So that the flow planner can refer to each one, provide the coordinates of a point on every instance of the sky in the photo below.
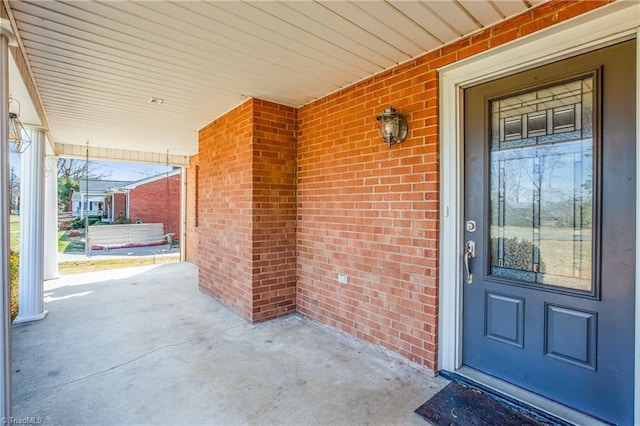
(114, 171)
(129, 171)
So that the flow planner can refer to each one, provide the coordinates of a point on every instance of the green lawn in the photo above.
(67, 244)
(14, 229)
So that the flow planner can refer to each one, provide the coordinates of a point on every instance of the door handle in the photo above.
(469, 253)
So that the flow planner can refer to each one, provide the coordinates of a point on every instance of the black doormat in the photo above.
(460, 405)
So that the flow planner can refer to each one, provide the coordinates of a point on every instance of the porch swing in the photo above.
(127, 235)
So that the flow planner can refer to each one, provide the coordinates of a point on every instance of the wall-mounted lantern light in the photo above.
(393, 126)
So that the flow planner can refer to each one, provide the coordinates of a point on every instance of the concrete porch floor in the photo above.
(145, 346)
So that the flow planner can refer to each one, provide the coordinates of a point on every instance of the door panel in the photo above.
(550, 183)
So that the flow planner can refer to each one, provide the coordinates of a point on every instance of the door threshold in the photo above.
(531, 399)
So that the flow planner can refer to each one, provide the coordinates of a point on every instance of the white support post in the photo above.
(31, 306)
(51, 219)
(6, 35)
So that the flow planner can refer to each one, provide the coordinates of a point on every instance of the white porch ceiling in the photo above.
(98, 64)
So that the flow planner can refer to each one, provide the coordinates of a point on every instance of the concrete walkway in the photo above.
(120, 253)
(144, 346)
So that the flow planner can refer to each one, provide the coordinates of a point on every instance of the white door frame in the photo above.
(604, 26)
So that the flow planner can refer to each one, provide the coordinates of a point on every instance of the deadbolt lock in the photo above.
(471, 226)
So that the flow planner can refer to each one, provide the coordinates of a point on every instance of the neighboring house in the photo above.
(90, 198)
(155, 199)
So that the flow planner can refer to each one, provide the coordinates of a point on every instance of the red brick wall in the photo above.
(157, 202)
(192, 224)
(225, 208)
(362, 209)
(246, 217)
(274, 210)
(120, 205)
(371, 212)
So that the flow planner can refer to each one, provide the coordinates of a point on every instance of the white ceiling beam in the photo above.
(110, 154)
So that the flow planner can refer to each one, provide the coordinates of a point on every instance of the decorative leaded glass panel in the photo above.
(542, 186)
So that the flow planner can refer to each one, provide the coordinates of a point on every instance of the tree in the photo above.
(64, 185)
(70, 168)
(150, 171)
(14, 189)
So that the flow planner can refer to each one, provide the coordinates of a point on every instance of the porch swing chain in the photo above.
(87, 248)
(86, 194)
(168, 205)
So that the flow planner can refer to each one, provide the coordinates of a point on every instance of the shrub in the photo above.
(93, 219)
(64, 224)
(14, 262)
(121, 220)
(519, 254)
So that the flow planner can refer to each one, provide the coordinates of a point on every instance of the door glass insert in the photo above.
(542, 186)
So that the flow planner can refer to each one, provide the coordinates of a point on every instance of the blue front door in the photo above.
(550, 231)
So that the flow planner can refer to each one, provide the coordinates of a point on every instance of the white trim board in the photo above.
(604, 26)
(115, 154)
(637, 337)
